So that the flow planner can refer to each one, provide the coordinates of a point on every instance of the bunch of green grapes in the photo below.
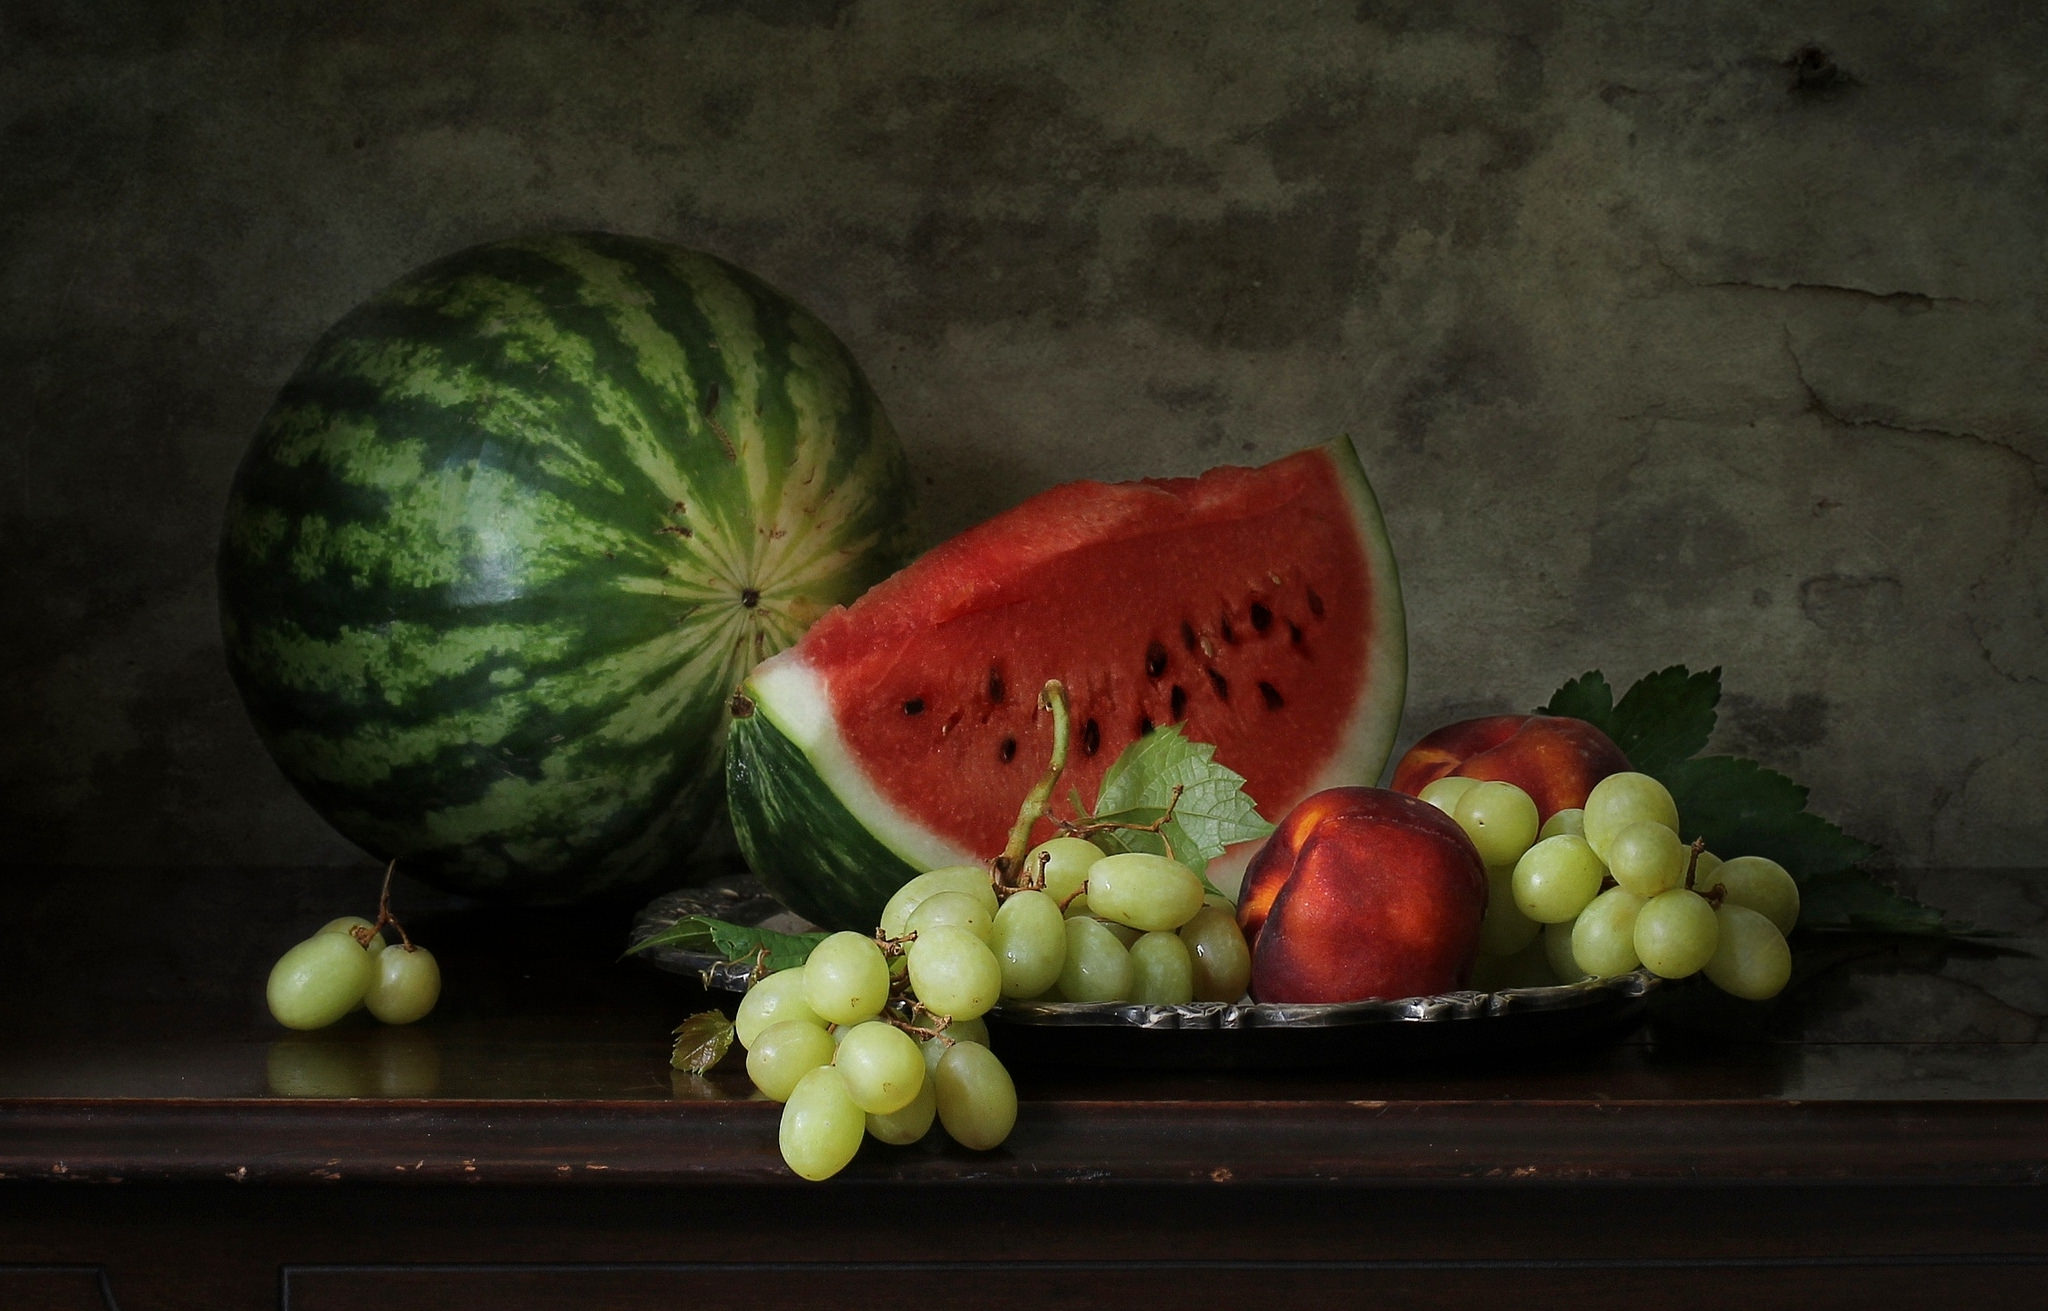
(1133, 926)
(882, 1036)
(1606, 889)
(347, 966)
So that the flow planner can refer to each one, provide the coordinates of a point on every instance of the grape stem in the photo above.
(363, 935)
(1054, 698)
(1083, 827)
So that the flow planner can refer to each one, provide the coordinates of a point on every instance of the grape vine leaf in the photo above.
(1210, 813)
(1664, 718)
(736, 942)
(1740, 807)
(701, 1042)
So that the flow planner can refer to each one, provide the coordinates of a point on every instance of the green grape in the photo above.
(977, 1100)
(1162, 970)
(1098, 967)
(1500, 819)
(1504, 930)
(1703, 865)
(1150, 893)
(954, 973)
(1555, 879)
(846, 978)
(1030, 942)
(882, 1066)
(773, 998)
(961, 909)
(902, 1127)
(821, 1126)
(971, 879)
(1216, 947)
(1604, 935)
(1572, 820)
(1557, 949)
(956, 1031)
(1065, 865)
(1750, 958)
(349, 923)
(318, 981)
(405, 985)
(1759, 883)
(967, 1030)
(785, 1052)
(1443, 793)
(1676, 933)
(1124, 932)
(1646, 858)
(1623, 799)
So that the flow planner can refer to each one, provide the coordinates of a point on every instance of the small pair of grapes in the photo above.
(347, 966)
(1611, 886)
(836, 1040)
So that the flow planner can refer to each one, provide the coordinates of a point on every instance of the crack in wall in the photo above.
(1819, 405)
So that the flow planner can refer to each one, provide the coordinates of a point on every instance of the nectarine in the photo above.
(1361, 893)
(1554, 758)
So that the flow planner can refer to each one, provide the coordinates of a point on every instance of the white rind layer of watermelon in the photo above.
(1258, 608)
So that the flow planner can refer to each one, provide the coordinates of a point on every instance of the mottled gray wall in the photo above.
(1660, 345)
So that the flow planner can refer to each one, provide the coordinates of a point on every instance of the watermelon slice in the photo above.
(1257, 608)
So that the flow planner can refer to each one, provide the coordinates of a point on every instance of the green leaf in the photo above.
(1741, 807)
(1744, 809)
(1586, 697)
(1853, 901)
(735, 942)
(1666, 717)
(701, 1042)
(1211, 812)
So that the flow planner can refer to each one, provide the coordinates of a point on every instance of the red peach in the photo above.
(1554, 758)
(1381, 895)
(1269, 868)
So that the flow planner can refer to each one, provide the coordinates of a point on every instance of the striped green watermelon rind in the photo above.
(819, 832)
(513, 533)
(808, 849)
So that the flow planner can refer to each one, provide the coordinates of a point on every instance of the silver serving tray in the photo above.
(1219, 1035)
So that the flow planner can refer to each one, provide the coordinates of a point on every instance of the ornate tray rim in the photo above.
(1615, 996)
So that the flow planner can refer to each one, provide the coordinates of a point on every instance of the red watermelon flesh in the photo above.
(1257, 608)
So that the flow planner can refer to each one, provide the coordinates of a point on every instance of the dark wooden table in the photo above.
(1876, 1137)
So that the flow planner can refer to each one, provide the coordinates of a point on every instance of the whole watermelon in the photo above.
(510, 538)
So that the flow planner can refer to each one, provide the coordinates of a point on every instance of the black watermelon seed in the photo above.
(1262, 618)
(1220, 683)
(1293, 633)
(1187, 635)
(1008, 750)
(1179, 702)
(1270, 695)
(995, 684)
(914, 706)
(1155, 660)
(1315, 603)
(1229, 633)
(1091, 737)
(1145, 725)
